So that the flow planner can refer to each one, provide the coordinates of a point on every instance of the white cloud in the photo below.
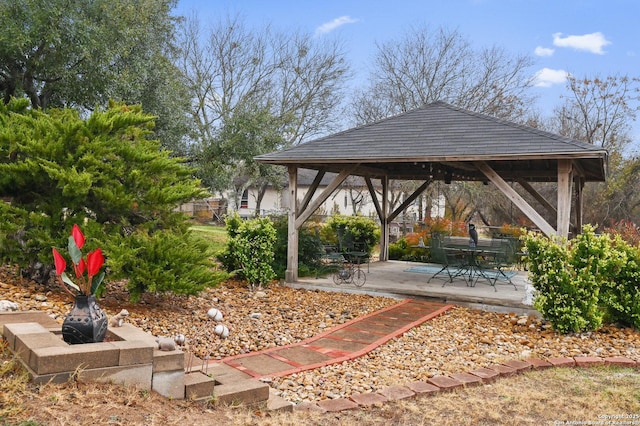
(547, 77)
(543, 51)
(327, 27)
(593, 42)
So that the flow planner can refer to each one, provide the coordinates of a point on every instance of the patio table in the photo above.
(472, 267)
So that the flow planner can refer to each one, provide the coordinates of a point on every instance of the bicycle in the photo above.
(350, 274)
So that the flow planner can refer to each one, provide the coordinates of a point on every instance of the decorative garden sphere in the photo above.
(221, 331)
(214, 314)
(180, 339)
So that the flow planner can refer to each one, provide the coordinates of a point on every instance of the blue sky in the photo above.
(581, 37)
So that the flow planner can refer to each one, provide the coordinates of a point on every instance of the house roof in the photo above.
(439, 139)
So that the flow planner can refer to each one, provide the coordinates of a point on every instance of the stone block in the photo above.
(588, 361)
(369, 398)
(25, 344)
(504, 370)
(423, 388)
(537, 363)
(135, 375)
(339, 404)
(467, 379)
(41, 379)
(134, 352)
(169, 384)
(518, 365)
(620, 361)
(562, 362)
(277, 403)
(11, 330)
(486, 374)
(130, 332)
(395, 393)
(39, 317)
(56, 359)
(167, 360)
(246, 391)
(444, 382)
(198, 385)
(225, 374)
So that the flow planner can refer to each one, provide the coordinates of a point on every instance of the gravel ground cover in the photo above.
(460, 340)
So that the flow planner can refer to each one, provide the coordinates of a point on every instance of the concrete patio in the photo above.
(391, 279)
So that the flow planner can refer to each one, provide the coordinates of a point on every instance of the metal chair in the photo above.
(451, 264)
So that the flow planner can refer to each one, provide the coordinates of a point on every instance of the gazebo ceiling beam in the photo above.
(516, 198)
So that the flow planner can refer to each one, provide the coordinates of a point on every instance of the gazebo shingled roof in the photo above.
(441, 135)
(440, 142)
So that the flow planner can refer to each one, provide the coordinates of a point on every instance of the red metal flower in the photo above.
(86, 284)
(61, 264)
(78, 236)
(95, 260)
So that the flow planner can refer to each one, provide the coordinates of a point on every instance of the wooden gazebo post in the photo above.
(291, 273)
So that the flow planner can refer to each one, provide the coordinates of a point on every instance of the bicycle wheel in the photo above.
(359, 277)
(341, 276)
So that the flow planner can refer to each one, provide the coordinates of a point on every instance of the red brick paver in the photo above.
(339, 404)
(423, 388)
(369, 398)
(588, 361)
(620, 361)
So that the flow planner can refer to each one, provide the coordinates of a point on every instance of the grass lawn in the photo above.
(216, 235)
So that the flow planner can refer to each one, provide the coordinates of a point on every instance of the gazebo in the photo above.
(441, 142)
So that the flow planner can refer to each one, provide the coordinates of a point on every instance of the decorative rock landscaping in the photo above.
(461, 343)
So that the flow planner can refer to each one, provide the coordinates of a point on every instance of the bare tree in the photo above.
(425, 66)
(294, 79)
(599, 110)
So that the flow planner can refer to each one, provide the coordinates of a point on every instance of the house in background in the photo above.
(352, 197)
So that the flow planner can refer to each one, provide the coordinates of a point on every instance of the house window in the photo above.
(244, 202)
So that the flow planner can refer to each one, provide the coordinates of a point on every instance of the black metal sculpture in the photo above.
(473, 236)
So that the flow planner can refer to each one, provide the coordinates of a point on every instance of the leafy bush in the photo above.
(584, 281)
(446, 226)
(403, 250)
(620, 294)
(397, 249)
(350, 230)
(106, 173)
(163, 262)
(228, 257)
(310, 248)
(250, 249)
(628, 231)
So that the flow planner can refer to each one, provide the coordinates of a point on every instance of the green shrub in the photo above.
(397, 249)
(585, 281)
(105, 172)
(620, 295)
(352, 230)
(310, 248)
(250, 249)
(163, 262)
(228, 256)
(403, 250)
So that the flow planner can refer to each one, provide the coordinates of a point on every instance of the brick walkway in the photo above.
(342, 343)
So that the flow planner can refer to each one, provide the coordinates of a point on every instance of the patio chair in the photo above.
(451, 264)
(505, 257)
